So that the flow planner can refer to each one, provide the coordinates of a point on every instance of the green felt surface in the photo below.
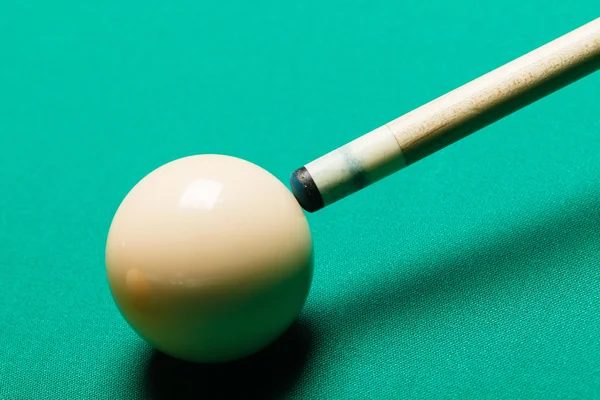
(472, 274)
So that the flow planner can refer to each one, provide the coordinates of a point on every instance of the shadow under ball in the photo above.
(209, 258)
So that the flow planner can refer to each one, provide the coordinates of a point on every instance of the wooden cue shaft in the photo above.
(448, 118)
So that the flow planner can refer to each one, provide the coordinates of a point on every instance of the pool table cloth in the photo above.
(473, 274)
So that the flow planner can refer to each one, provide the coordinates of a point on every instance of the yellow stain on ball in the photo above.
(138, 289)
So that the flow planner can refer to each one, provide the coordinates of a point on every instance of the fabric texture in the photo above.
(473, 274)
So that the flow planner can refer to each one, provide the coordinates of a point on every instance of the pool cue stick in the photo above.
(447, 119)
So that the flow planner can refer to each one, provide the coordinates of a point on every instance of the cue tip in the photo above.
(305, 190)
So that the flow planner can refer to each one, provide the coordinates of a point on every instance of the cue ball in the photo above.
(209, 258)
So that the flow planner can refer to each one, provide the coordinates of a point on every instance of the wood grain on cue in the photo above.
(448, 118)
